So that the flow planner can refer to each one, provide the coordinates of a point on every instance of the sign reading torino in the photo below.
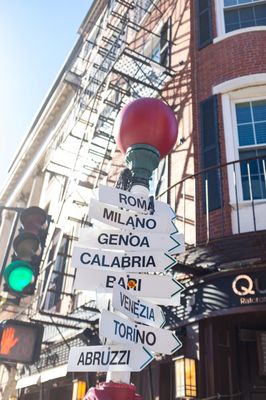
(108, 358)
(121, 330)
(130, 201)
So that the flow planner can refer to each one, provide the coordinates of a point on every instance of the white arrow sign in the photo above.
(130, 201)
(137, 309)
(130, 261)
(129, 220)
(163, 288)
(108, 358)
(114, 239)
(121, 330)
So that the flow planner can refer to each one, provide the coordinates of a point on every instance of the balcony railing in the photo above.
(222, 202)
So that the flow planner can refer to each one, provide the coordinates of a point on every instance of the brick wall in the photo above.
(195, 74)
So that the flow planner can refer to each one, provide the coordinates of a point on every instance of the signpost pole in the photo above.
(146, 131)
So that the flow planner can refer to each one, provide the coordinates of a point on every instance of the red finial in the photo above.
(146, 121)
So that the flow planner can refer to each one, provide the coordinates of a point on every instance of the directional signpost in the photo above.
(121, 330)
(109, 358)
(114, 260)
(143, 239)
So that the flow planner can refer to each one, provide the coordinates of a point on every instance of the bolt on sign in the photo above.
(126, 240)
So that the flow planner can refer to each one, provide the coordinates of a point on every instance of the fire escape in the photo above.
(112, 67)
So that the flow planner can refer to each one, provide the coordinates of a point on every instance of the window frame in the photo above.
(247, 147)
(220, 22)
(155, 43)
(238, 90)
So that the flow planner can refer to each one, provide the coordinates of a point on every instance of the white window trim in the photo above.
(220, 26)
(241, 89)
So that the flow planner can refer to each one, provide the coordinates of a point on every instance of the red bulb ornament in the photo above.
(146, 121)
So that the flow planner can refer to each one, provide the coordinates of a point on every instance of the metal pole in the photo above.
(10, 241)
(207, 209)
(251, 197)
(236, 194)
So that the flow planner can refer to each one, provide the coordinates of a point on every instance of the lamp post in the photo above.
(145, 132)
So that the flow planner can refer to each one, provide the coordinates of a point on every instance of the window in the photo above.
(56, 283)
(158, 48)
(244, 13)
(54, 278)
(204, 12)
(210, 151)
(251, 130)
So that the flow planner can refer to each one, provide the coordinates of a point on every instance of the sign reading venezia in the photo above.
(137, 309)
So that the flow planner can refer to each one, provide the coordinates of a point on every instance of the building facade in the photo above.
(205, 59)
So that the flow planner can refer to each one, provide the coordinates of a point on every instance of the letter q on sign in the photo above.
(241, 290)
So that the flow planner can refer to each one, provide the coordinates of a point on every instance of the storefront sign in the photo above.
(224, 292)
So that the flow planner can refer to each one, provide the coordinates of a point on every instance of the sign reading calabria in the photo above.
(130, 261)
(121, 330)
(108, 358)
(130, 201)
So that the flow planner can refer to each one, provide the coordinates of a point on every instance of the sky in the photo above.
(36, 37)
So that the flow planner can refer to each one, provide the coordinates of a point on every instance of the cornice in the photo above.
(35, 139)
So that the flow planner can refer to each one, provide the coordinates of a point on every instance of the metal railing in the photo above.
(220, 201)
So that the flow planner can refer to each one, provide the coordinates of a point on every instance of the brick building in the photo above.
(206, 60)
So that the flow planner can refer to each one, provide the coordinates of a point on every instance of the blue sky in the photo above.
(35, 38)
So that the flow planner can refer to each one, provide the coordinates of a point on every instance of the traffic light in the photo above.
(20, 275)
(20, 342)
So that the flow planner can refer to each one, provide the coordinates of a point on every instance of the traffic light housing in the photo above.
(20, 342)
(21, 274)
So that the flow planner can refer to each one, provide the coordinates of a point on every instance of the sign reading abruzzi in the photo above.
(130, 235)
(108, 358)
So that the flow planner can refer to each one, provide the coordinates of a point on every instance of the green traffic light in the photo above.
(18, 275)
